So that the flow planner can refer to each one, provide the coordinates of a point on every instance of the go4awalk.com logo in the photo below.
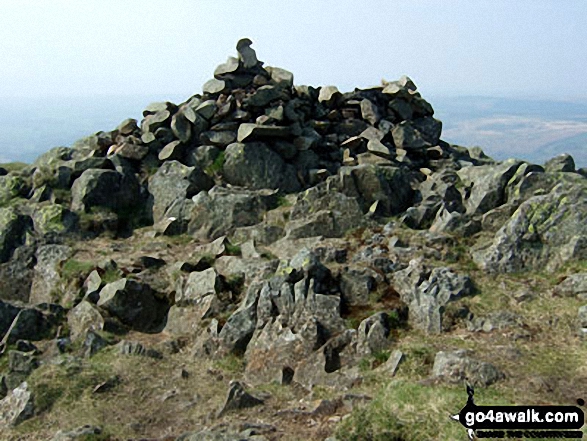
(548, 422)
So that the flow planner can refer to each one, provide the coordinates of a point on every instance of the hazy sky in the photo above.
(458, 47)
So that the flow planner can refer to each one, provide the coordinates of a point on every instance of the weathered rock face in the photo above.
(219, 211)
(427, 293)
(173, 186)
(256, 166)
(544, 232)
(104, 188)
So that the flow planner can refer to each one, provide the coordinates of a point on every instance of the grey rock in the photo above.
(544, 232)
(371, 183)
(498, 320)
(46, 278)
(16, 407)
(417, 134)
(82, 318)
(218, 138)
(369, 112)
(220, 211)
(104, 188)
(12, 230)
(174, 151)
(11, 187)
(34, 323)
(561, 163)
(238, 399)
(265, 95)
(246, 54)
(357, 284)
(329, 95)
(573, 285)
(280, 76)
(82, 432)
(171, 188)
(214, 87)
(372, 335)
(135, 348)
(427, 293)
(201, 290)
(54, 218)
(256, 166)
(229, 67)
(323, 212)
(206, 109)
(134, 304)
(127, 150)
(391, 365)
(255, 132)
(457, 366)
(92, 344)
(181, 127)
(486, 185)
(8, 313)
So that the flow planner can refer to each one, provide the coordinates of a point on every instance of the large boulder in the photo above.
(54, 218)
(256, 166)
(135, 304)
(389, 186)
(320, 211)
(543, 233)
(105, 188)
(484, 186)
(220, 211)
(173, 186)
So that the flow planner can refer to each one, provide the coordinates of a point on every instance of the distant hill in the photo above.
(533, 130)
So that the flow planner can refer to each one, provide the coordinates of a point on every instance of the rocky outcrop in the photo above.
(544, 232)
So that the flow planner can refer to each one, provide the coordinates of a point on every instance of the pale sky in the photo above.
(454, 47)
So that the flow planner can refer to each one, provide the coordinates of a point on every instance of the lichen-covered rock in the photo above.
(560, 163)
(12, 231)
(544, 232)
(54, 218)
(11, 186)
(485, 185)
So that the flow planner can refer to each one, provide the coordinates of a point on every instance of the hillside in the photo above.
(270, 261)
